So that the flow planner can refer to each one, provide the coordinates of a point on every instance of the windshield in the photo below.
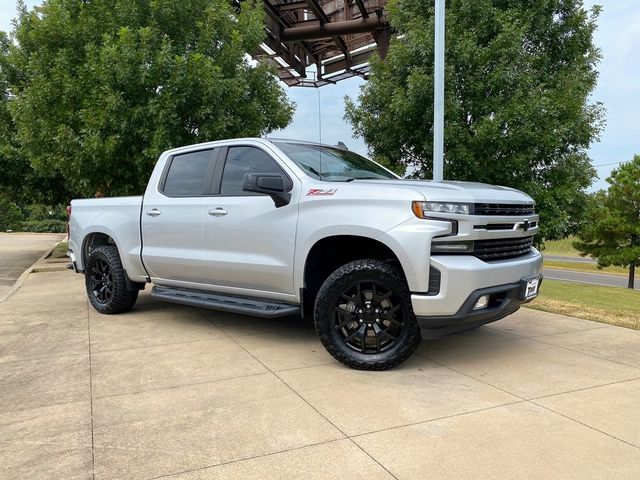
(333, 164)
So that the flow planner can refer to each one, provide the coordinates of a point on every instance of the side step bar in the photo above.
(256, 307)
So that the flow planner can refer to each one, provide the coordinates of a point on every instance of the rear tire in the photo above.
(106, 282)
(364, 316)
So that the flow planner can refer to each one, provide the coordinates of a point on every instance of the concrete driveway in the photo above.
(174, 392)
(18, 251)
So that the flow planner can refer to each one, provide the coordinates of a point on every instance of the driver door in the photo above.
(249, 242)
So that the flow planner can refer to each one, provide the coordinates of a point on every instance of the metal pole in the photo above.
(319, 116)
(438, 93)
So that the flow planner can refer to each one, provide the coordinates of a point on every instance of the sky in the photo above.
(618, 37)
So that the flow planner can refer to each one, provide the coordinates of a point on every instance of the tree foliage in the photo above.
(20, 183)
(100, 88)
(612, 234)
(517, 112)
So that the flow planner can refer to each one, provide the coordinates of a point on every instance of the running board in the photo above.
(256, 307)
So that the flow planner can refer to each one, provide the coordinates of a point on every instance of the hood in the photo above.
(463, 192)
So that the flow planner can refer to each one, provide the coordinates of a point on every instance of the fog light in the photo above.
(482, 302)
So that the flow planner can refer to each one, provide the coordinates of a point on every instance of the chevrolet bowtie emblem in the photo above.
(525, 225)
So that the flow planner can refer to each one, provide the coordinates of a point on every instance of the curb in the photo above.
(22, 278)
(40, 269)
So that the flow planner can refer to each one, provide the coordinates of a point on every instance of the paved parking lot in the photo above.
(18, 251)
(168, 391)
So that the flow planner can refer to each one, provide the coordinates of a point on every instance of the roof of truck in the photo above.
(273, 140)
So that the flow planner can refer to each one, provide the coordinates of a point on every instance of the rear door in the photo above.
(249, 242)
(173, 218)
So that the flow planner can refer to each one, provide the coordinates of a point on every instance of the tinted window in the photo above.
(187, 173)
(241, 160)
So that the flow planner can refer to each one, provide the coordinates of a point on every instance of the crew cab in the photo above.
(274, 228)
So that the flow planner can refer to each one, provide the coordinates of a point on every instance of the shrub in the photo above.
(44, 226)
(10, 215)
(34, 217)
(38, 211)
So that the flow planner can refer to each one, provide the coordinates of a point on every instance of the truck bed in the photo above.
(118, 217)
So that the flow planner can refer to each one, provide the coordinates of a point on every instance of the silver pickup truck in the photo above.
(274, 228)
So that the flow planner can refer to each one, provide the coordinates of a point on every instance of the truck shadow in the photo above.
(298, 336)
(231, 323)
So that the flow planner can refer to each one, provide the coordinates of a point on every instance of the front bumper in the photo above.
(505, 300)
(464, 278)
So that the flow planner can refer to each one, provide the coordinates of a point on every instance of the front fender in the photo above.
(411, 242)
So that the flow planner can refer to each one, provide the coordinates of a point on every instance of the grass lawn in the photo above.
(60, 251)
(612, 305)
(588, 267)
(561, 247)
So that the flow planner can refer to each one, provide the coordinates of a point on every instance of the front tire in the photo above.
(364, 316)
(106, 283)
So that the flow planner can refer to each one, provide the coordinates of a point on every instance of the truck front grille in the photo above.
(500, 249)
(504, 226)
(503, 209)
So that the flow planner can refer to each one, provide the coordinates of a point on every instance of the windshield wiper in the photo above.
(314, 171)
(338, 178)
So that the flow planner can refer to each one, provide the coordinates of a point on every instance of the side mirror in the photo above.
(275, 185)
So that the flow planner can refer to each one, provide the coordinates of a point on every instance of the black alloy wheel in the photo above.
(369, 317)
(101, 279)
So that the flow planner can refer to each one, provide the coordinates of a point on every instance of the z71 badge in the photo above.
(321, 192)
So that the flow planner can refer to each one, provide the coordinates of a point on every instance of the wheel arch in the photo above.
(332, 251)
(100, 238)
(95, 239)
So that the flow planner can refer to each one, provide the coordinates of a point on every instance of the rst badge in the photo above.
(321, 192)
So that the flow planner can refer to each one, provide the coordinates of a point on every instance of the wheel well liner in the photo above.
(93, 240)
(330, 253)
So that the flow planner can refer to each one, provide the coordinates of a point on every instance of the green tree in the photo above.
(517, 85)
(612, 234)
(102, 87)
(19, 182)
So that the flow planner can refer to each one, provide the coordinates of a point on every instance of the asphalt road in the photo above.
(571, 259)
(18, 251)
(585, 277)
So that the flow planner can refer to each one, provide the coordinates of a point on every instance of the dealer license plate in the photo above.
(531, 288)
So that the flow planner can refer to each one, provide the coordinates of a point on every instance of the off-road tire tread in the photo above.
(322, 314)
(123, 299)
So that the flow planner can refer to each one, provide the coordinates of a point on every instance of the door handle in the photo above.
(154, 212)
(217, 212)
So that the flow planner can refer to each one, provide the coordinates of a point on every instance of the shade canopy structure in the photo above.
(336, 37)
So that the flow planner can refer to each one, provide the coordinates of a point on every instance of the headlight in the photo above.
(423, 209)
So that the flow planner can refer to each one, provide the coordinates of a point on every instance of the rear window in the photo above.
(187, 174)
